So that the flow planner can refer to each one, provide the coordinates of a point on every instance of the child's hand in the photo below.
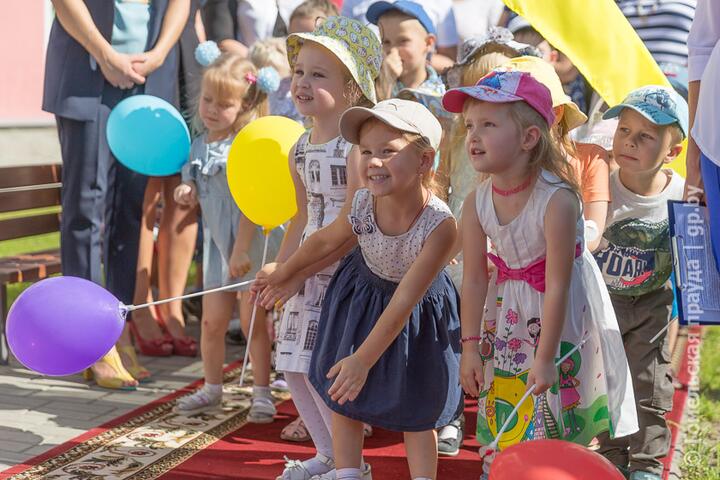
(351, 376)
(392, 65)
(277, 293)
(239, 263)
(261, 279)
(472, 375)
(543, 375)
(186, 194)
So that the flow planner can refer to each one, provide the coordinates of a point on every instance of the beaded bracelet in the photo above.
(470, 339)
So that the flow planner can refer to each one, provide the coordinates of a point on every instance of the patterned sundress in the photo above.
(323, 170)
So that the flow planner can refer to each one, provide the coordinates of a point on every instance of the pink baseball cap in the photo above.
(504, 86)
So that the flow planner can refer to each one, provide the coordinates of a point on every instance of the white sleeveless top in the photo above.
(390, 257)
(522, 241)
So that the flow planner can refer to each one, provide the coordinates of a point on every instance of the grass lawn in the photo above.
(701, 460)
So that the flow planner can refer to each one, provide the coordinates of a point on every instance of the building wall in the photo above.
(24, 28)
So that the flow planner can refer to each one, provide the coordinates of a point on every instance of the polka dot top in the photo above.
(390, 257)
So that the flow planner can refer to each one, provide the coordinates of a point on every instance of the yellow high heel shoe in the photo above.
(139, 373)
(122, 380)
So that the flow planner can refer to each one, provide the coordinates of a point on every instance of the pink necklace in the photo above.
(514, 190)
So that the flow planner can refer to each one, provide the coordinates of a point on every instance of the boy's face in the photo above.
(640, 146)
(407, 35)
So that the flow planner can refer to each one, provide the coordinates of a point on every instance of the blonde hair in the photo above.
(228, 78)
(271, 52)
(417, 142)
(316, 8)
(547, 154)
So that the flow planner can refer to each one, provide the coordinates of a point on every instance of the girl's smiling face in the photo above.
(493, 139)
(391, 163)
(318, 81)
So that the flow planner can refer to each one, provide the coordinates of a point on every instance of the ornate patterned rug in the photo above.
(145, 443)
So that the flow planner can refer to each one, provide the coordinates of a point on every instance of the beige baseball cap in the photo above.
(404, 115)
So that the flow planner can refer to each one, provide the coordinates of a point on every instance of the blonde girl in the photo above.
(389, 329)
(546, 294)
(334, 68)
(231, 96)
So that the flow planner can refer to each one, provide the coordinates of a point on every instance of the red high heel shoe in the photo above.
(156, 347)
(184, 346)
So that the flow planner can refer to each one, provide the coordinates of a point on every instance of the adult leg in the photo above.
(84, 179)
(421, 450)
(176, 245)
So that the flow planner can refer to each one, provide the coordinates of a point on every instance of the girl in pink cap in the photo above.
(529, 207)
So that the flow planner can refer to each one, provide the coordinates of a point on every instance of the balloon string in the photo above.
(252, 318)
(130, 308)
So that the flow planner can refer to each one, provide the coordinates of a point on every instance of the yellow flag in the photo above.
(602, 44)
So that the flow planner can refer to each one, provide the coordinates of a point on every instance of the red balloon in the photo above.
(552, 460)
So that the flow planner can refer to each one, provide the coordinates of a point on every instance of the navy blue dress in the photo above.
(415, 384)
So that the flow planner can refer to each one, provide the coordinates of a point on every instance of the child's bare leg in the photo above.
(421, 450)
(217, 309)
(347, 437)
(260, 348)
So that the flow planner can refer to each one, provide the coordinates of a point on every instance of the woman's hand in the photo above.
(472, 375)
(240, 263)
(543, 374)
(147, 62)
(350, 377)
(186, 194)
(118, 69)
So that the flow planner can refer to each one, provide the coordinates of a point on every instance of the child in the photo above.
(230, 98)
(408, 37)
(546, 294)
(334, 68)
(589, 162)
(272, 52)
(388, 343)
(309, 13)
(634, 257)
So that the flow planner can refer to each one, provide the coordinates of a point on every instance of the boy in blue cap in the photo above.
(408, 38)
(634, 258)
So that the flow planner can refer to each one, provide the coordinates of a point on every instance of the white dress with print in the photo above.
(323, 170)
(594, 390)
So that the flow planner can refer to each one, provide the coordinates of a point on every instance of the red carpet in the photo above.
(243, 451)
(256, 452)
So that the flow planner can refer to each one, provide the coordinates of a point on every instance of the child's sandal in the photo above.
(295, 431)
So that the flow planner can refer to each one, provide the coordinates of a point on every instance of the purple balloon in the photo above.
(62, 325)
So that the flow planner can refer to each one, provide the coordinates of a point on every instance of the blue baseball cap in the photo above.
(415, 10)
(661, 105)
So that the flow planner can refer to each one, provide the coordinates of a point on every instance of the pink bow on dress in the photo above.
(533, 274)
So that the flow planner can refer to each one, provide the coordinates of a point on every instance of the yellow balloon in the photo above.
(258, 173)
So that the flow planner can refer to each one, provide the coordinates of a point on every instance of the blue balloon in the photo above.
(148, 135)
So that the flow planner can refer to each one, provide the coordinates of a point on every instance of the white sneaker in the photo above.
(295, 469)
(197, 402)
(366, 474)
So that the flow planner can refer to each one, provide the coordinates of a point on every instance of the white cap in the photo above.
(404, 115)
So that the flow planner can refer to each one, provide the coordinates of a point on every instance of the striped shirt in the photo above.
(663, 25)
